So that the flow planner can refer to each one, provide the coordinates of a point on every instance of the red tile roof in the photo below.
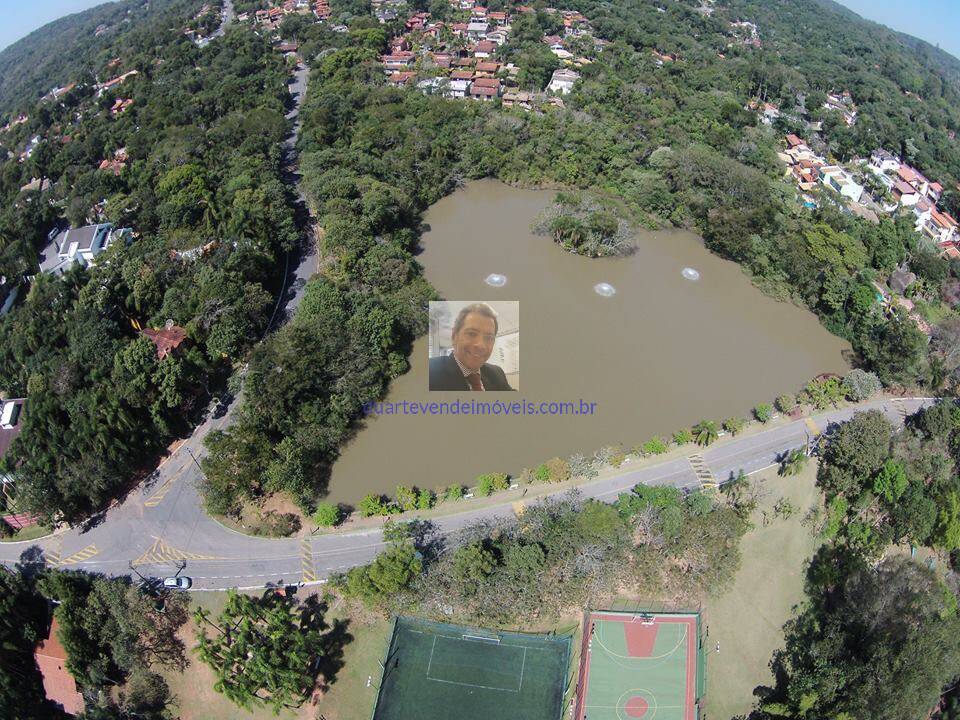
(58, 683)
(167, 340)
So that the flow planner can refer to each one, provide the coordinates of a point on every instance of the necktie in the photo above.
(474, 380)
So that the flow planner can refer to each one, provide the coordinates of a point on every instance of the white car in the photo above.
(178, 583)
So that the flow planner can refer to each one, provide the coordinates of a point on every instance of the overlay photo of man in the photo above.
(473, 339)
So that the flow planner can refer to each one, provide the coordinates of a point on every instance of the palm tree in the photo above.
(793, 463)
(705, 432)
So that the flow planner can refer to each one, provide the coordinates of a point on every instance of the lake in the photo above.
(662, 353)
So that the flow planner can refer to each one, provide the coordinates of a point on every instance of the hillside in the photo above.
(73, 47)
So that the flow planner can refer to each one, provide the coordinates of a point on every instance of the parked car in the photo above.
(181, 582)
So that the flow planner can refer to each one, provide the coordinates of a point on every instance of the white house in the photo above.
(884, 161)
(477, 30)
(79, 245)
(458, 88)
(563, 81)
(838, 180)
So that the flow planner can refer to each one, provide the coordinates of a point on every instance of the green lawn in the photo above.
(748, 620)
(29, 533)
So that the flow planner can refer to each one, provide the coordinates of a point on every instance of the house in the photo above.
(485, 93)
(398, 60)
(563, 81)
(484, 49)
(400, 79)
(477, 30)
(116, 164)
(459, 87)
(79, 245)
(838, 180)
(500, 37)
(462, 75)
(938, 226)
(487, 68)
(884, 161)
(58, 683)
(120, 105)
(517, 99)
(497, 18)
(793, 141)
(905, 194)
(167, 339)
(101, 89)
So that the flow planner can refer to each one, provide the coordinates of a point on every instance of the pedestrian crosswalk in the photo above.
(88, 552)
(702, 471)
(308, 570)
(161, 552)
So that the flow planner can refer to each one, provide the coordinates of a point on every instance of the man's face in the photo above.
(473, 343)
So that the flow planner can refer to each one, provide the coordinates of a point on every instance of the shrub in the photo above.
(683, 437)
(327, 515)
(763, 412)
(274, 524)
(454, 492)
(406, 498)
(426, 500)
(734, 425)
(581, 467)
(491, 482)
(558, 469)
(785, 403)
(542, 473)
(372, 505)
(6, 530)
(654, 446)
(859, 385)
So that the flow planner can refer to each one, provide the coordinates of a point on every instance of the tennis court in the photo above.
(436, 671)
(645, 665)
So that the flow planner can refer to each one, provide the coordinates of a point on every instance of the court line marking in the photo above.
(484, 687)
(462, 638)
(683, 637)
(432, 648)
(523, 664)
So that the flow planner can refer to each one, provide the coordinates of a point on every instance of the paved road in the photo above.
(162, 525)
(228, 16)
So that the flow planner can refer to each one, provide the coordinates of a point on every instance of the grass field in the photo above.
(434, 671)
(348, 697)
(748, 620)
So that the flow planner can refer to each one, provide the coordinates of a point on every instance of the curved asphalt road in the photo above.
(162, 524)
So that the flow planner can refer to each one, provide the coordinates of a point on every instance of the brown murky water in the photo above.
(662, 353)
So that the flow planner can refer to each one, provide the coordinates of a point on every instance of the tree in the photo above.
(854, 453)
(392, 572)
(785, 403)
(705, 432)
(327, 515)
(763, 412)
(682, 437)
(794, 463)
(264, 651)
(734, 425)
(891, 481)
(860, 385)
(882, 645)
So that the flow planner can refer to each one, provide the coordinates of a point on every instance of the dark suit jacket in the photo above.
(445, 374)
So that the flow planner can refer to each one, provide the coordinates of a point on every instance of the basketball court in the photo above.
(646, 665)
(436, 671)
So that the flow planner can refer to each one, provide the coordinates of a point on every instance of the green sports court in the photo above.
(436, 671)
(640, 665)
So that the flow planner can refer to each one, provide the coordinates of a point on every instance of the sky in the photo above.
(936, 21)
(22, 17)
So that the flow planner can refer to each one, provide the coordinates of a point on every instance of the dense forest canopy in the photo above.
(200, 187)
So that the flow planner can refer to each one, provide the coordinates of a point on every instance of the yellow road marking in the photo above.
(159, 495)
(307, 568)
(88, 552)
(812, 426)
(160, 552)
(52, 551)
